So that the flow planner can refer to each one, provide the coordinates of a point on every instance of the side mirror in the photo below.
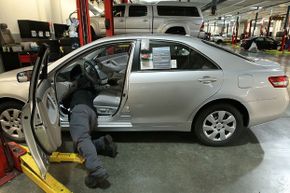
(24, 76)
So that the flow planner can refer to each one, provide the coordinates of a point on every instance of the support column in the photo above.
(109, 20)
(224, 26)
(84, 22)
(250, 34)
(246, 27)
(269, 25)
(286, 27)
(255, 24)
(207, 30)
(237, 28)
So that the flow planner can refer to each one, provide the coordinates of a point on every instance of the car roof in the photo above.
(172, 37)
(169, 3)
(198, 44)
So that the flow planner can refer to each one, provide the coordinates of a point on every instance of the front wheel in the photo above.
(218, 125)
(10, 120)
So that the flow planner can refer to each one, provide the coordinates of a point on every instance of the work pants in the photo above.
(82, 121)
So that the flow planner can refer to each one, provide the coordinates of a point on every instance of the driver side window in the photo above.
(100, 69)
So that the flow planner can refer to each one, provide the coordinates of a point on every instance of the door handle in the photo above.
(207, 79)
(145, 20)
(121, 20)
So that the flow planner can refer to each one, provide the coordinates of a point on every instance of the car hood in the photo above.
(11, 75)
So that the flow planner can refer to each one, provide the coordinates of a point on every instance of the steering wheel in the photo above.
(98, 62)
(91, 72)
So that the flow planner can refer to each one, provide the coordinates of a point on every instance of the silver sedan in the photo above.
(155, 83)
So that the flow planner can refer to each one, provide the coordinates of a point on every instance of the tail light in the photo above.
(279, 81)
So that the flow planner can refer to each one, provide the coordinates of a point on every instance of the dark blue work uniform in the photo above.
(82, 120)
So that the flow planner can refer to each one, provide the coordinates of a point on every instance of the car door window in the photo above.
(102, 68)
(119, 11)
(260, 42)
(270, 41)
(160, 55)
(177, 11)
(137, 11)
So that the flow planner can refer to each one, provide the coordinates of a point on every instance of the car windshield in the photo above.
(227, 50)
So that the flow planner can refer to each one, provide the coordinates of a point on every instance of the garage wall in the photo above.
(18, 9)
(66, 8)
(56, 11)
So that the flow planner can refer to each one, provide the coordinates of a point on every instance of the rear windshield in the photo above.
(177, 11)
(227, 50)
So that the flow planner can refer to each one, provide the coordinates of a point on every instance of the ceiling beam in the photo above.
(211, 4)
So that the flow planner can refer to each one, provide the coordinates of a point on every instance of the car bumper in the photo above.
(267, 110)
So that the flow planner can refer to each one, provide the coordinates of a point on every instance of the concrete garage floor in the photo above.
(174, 162)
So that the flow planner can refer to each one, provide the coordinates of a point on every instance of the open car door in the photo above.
(40, 115)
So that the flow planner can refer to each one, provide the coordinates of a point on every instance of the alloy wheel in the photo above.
(219, 125)
(10, 121)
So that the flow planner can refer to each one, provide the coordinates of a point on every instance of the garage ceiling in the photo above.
(246, 8)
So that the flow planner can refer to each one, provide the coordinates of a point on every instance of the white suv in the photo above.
(164, 17)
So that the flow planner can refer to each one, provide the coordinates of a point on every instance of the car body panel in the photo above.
(140, 24)
(152, 22)
(253, 97)
(263, 43)
(11, 88)
(169, 97)
(40, 116)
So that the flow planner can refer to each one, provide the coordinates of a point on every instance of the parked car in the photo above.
(217, 38)
(163, 17)
(262, 43)
(152, 83)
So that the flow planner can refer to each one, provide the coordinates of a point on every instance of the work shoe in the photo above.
(92, 181)
(110, 148)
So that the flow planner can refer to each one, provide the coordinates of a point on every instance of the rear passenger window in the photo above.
(137, 11)
(259, 39)
(160, 55)
(177, 11)
(119, 11)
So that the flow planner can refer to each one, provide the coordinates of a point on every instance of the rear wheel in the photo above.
(10, 120)
(219, 42)
(218, 125)
(176, 30)
(93, 34)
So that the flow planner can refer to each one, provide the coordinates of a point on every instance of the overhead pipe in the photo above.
(212, 5)
(204, 8)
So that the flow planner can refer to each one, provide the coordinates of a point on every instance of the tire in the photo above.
(93, 34)
(218, 133)
(176, 30)
(10, 125)
(219, 42)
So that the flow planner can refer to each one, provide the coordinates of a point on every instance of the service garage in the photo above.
(130, 96)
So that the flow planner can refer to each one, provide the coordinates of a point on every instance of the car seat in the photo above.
(5, 35)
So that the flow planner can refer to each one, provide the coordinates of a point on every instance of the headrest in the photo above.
(3, 26)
